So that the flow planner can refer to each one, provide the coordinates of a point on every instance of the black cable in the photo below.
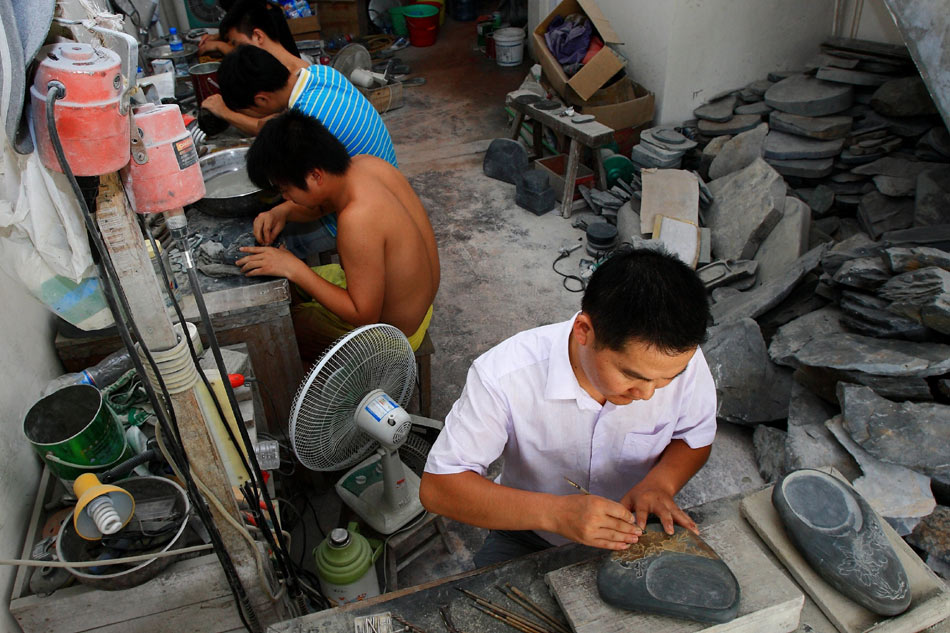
(111, 289)
(567, 277)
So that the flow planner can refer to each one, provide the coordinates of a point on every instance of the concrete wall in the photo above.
(29, 362)
(686, 51)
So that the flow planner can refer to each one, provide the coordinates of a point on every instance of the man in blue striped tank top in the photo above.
(255, 86)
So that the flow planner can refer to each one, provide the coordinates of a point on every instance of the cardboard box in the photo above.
(596, 72)
(305, 28)
(624, 104)
(555, 166)
(342, 17)
(384, 98)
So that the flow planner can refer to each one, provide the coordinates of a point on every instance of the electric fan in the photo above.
(351, 402)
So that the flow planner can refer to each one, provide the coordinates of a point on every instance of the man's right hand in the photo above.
(595, 521)
(268, 225)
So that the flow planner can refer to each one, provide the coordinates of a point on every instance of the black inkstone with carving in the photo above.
(839, 535)
(678, 575)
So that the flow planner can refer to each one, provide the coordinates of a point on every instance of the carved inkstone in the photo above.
(678, 575)
(839, 535)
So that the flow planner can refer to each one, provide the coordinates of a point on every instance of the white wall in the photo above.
(686, 51)
(29, 362)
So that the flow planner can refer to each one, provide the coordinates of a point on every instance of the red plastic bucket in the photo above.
(423, 23)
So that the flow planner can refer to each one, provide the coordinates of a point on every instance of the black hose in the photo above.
(111, 289)
(126, 467)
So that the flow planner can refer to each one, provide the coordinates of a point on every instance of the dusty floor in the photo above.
(496, 257)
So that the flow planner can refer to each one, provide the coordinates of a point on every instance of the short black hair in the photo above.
(247, 15)
(247, 71)
(289, 147)
(647, 296)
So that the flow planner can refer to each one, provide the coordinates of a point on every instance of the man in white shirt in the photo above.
(618, 399)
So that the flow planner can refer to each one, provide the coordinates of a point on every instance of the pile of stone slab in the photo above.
(830, 277)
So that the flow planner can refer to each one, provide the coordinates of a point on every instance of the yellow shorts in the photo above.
(313, 321)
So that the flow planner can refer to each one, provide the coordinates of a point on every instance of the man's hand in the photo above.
(215, 105)
(270, 262)
(268, 225)
(595, 521)
(211, 43)
(645, 499)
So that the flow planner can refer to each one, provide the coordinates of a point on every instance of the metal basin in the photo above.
(230, 193)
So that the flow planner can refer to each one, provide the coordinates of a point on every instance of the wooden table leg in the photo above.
(601, 172)
(536, 129)
(570, 176)
(515, 130)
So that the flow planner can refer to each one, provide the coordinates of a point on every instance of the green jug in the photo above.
(344, 561)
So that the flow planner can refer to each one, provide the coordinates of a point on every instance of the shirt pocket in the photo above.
(639, 448)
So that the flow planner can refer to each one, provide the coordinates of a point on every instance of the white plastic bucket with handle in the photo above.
(509, 46)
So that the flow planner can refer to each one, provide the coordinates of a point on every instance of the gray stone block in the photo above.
(667, 138)
(879, 214)
(759, 108)
(747, 206)
(820, 199)
(809, 443)
(851, 77)
(878, 357)
(903, 97)
(739, 152)
(865, 273)
(768, 444)
(932, 197)
(782, 146)
(758, 301)
(749, 388)
(718, 111)
(738, 123)
(803, 168)
(937, 141)
(786, 243)
(936, 236)
(870, 316)
(914, 435)
(821, 128)
(801, 94)
(932, 535)
(822, 381)
(896, 187)
(858, 245)
(904, 259)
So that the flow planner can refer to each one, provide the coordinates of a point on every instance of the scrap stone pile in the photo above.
(829, 234)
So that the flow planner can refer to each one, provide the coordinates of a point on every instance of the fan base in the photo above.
(362, 489)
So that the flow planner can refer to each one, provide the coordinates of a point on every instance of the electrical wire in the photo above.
(112, 289)
(138, 558)
(566, 277)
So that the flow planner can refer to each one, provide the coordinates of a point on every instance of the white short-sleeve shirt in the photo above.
(522, 401)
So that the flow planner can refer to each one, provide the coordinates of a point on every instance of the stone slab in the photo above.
(738, 123)
(809, 443)
(786, 243)
(822, 381)
(914, 435)
(803, 168)
(820, 199)
(858, 245)
(808, 96)
(739, 152)
(673, 193)
(870, 315)
(930, 598)
(935, 236)
(782, 146)
(903, 259)
(769, 600)
(747, 206)
(879, 214)
(768, 444)
(906, 96)
(749, 388)
(896, 187)
(932, 534)
(756, 302)
(932, 197)
(851, 77)
(646, 155)
(865, 273)
(759, 108)
(878, 357)
(667, 138)
(718, 111)
(821, 128)
(897, 167)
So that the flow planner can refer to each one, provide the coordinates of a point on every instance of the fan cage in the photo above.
(323, 430)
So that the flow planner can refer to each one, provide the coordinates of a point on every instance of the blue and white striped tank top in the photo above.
(325, 94)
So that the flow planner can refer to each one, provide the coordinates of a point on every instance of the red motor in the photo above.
(95, 136)
(172, 176)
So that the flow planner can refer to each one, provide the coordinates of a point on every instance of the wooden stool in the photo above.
(405, 547)
(424, 369)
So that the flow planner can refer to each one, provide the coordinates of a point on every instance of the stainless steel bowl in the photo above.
(229, 194)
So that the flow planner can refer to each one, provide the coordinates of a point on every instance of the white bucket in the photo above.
(509, 46)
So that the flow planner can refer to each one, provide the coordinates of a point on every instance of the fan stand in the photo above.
(384, 508)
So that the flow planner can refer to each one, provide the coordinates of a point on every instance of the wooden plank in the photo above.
(592, 134)
(769, 601)
(930, 597)
(570, 178)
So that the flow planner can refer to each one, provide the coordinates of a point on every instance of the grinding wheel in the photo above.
(618, 167)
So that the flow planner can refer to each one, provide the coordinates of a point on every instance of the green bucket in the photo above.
(74, 433)
(398, 18)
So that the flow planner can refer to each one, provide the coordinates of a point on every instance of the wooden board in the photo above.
(930, 597)
(769, 601)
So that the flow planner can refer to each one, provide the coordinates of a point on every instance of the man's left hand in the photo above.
(215, 105)
(644, 500)
(270, 261)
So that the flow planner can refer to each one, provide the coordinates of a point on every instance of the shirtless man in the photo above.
(389, 258)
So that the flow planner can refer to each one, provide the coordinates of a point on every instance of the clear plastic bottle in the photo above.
(175, 45)
(101, 375)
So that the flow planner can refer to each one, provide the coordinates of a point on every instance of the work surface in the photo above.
(420, 605)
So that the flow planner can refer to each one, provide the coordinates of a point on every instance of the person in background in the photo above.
(255, 22)
(256, 86)
(618, 399)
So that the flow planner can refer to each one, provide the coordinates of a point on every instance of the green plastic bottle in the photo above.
(344, 563)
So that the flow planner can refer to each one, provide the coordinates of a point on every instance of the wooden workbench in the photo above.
(419, 605)
(591, 134)
(251, 310)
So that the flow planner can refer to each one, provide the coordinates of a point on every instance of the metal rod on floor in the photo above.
(501, 611)
(532, 606)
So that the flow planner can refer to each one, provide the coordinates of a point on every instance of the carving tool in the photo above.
(577, 485)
